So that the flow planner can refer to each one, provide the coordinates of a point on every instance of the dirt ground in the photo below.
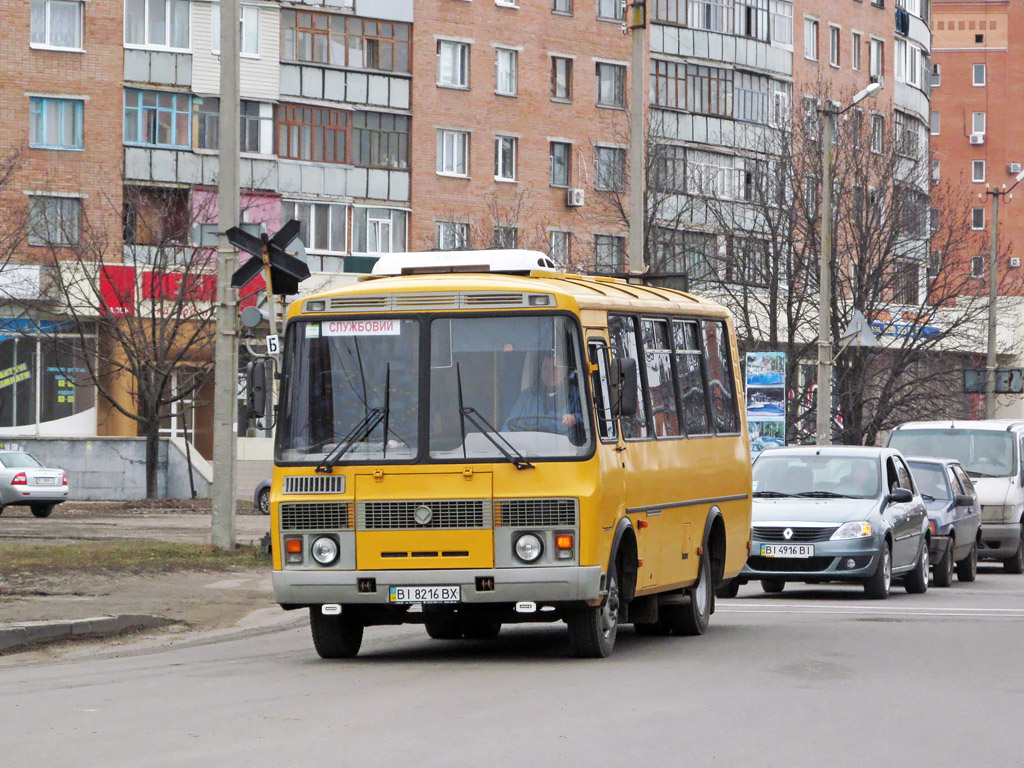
(193, 599)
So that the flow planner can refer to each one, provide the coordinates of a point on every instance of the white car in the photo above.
(26, 482)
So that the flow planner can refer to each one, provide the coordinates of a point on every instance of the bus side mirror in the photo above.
(257, 389)
(624, 381)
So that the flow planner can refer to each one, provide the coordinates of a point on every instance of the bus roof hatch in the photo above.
(511, 260)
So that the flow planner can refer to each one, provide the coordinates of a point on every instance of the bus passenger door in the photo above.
(611, 486)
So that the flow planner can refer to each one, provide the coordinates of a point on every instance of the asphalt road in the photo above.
(815, 676)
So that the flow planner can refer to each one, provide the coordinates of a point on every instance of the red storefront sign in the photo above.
(118, 285)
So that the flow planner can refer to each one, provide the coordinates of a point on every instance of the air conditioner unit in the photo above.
(1015, 261)
(574, 198)
(977, 138)
(1013, 168)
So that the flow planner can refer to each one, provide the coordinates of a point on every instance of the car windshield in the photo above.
(931, 479)
(512, 382)
(981, 452)
(12, 459)
(817, 476)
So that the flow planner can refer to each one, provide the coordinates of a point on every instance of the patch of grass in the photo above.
(132, 555)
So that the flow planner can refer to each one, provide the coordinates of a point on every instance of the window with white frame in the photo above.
(876, 63)
(855, 45)
(55, 123)
(752, 19)
(452, 64)
(908, 63)
(452, 235)
(561, 154)
(609, 169)
(712, 174)
(781, 19)
(379, 230)
(506, 71)
(611, 9)
(977, 218)
(608, 253)
(978, 74)
(322, 225)
(711, 15)
(54, 220)
(810, 39)
(833, 45)
(912, 6)
(936, 75)
(558, 247)
(977, 170)
(781, 116)
(56, 24)
(936, 123)
(452, 152)
(505, 148)
(157, 23)
(877, 133)
(978, 122)
(611, 84)
(248, 26)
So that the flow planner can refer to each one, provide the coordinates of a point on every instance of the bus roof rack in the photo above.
(508, 261)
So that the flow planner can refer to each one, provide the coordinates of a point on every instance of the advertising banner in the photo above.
(766, 400)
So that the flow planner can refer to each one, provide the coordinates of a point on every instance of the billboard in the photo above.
(766, 400)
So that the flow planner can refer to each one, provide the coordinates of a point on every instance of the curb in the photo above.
(29, 633)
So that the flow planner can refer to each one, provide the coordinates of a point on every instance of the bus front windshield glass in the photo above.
(981, 452)
(507, 385)
(355, 379)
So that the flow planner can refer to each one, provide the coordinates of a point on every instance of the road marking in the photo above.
(836, 610)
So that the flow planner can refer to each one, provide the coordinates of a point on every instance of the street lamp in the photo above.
(991, 363)
(831, 111)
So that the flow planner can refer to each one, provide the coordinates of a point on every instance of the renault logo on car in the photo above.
(787, 534)
(423, 514)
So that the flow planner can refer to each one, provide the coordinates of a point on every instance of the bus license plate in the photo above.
(787, 550)
(425, 594)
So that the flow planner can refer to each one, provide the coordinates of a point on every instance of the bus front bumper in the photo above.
(510, 585)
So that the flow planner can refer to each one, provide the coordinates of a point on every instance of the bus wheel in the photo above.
(693, 618)
(335, 637)
(444, 627)
(481, 630)
(592, 630)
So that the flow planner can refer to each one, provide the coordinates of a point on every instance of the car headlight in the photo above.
(324, 550)
(528, 547)
(856, 530)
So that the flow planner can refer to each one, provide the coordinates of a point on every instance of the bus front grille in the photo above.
(536, 513)
(423, 515)
(315, 515)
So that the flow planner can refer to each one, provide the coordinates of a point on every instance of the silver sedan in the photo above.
(24, 481)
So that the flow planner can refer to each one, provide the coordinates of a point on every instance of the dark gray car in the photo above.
(954, 514)
(836, 513)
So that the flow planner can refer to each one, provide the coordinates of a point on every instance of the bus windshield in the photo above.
(981, 452)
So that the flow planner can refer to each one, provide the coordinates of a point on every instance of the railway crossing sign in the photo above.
(286, 271)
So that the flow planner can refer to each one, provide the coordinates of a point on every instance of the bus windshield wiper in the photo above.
(513, 456)
(357, 434)
(771, 494)
(823, 495)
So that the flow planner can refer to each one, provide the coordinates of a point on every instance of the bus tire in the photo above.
(443, 627)
(593, 629)
(481, 630)
(335, 637)
(692, 618)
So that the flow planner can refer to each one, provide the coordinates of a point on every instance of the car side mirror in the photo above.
(624, 382)
(258, 386)
(963, 500)
(901, 496)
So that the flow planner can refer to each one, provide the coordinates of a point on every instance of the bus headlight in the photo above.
(324, 550)
(528, 547)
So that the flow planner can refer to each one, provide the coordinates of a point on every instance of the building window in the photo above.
(877, 133)
(669, 164)
(379, 230)
(753, 95)
(908, 63)
(157, 23)
(670, 11)
(562, 6)
(322, 224)
(256, 125)
(611, 9)
(206, 122)
(977, 170)
(908, 282)
(833, 45)
(876, 64)
(936, 75)
(610, 169)
(54, 220)
(504, 237)
(380, 140)
(977, 218)
(249, 30)
(157, 118)
(611, 80)
(979, 74)
(936, 124)
(811, 39)
(506, 66)
(978, 264)
(708, 90)
(978, 122)
(782, 23)
(711, 15)
(561, 154)
(452, 153)
(855, 51)
(55, 123)
(561, 78)
(609, 251)
(312, 133)
(908, 135)
(344, 41)
(558, 247)
(505, 158)
(57, 23)
(752, 19)
(452, 64)
(452, 235)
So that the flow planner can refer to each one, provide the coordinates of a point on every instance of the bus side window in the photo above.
(690, 365)
(720, 380)
(622, 332)
(602, 398)
(660, 381)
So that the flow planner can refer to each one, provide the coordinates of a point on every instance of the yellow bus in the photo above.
(472, 439)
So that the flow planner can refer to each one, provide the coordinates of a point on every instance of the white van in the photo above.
(992, 452)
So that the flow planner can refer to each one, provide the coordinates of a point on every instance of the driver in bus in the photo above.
(550, 404)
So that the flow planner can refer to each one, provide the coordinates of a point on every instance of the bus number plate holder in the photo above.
(426, 595)
(787, 550)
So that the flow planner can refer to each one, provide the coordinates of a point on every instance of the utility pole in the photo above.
(637, 185)
(991, 363)
(823, 427)
(225, 400)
